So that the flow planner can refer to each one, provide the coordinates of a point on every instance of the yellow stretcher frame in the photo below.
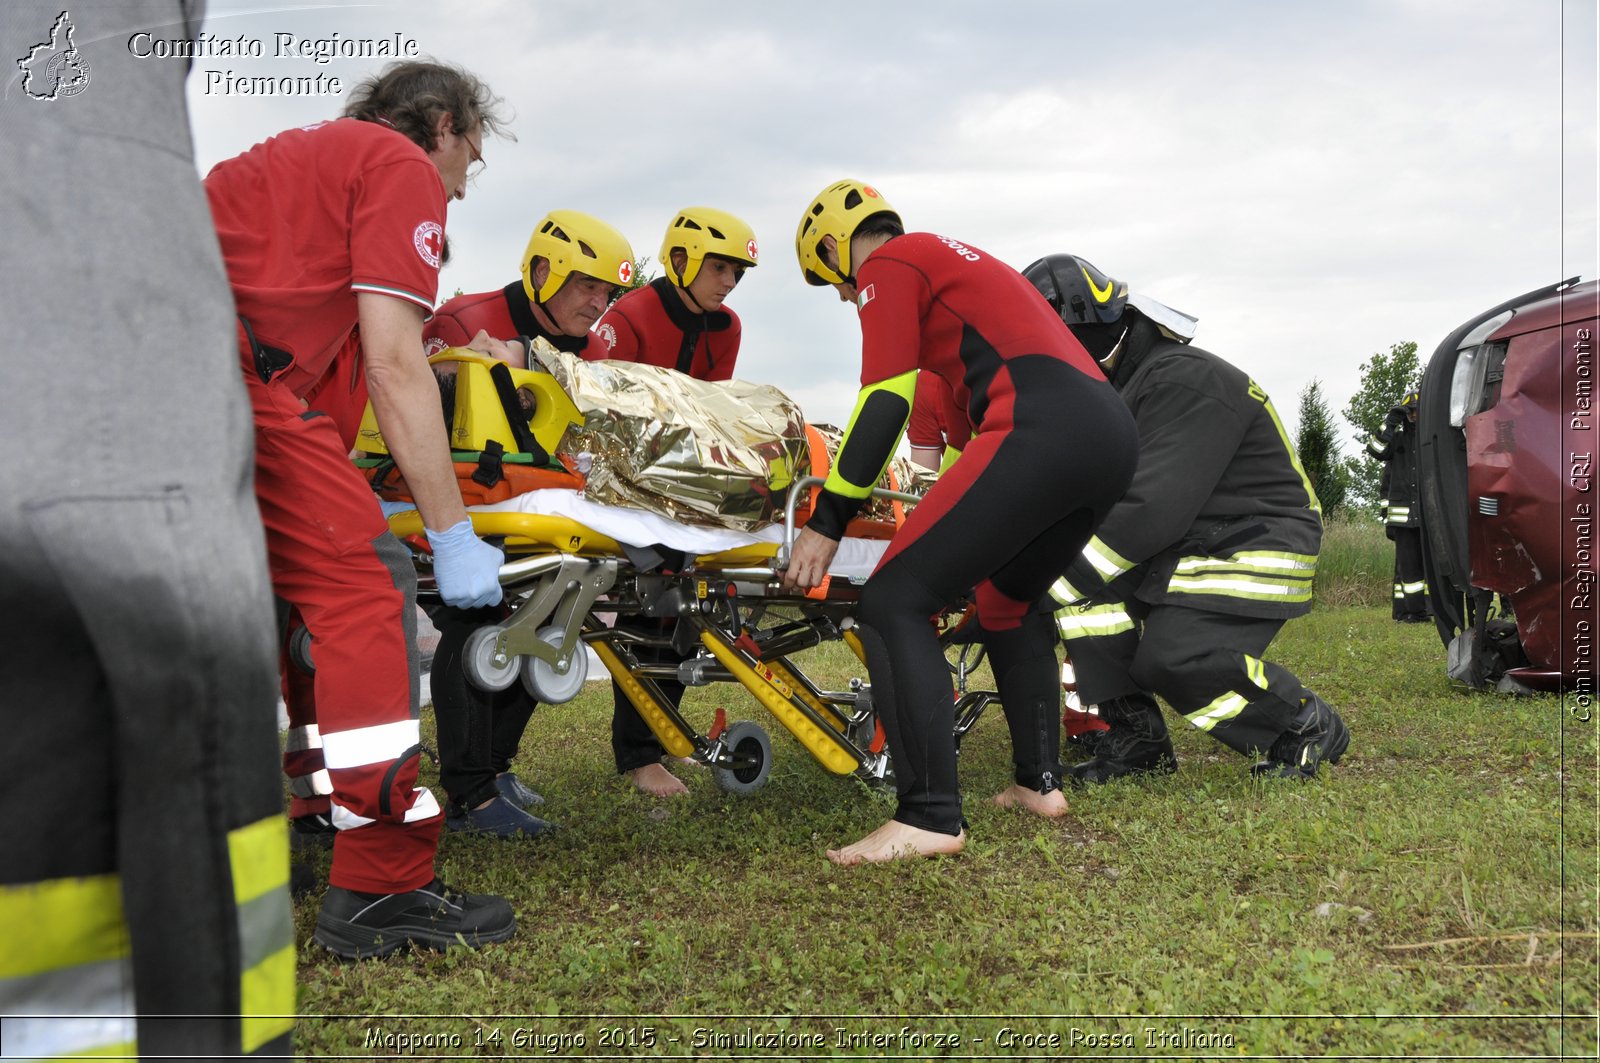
(838, 728)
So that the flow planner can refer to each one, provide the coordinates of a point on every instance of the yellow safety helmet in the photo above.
(838, 211)
(575, 243)
(702, 231)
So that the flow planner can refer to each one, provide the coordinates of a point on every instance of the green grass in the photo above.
(1433, 895)
(1356, 565)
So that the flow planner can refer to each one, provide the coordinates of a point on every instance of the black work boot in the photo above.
(1137, 743)
(360, 925)
(1316, 735)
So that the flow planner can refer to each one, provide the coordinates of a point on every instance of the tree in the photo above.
(1318, 445)
(1385, 381)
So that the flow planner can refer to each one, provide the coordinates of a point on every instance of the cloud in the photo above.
(1315, 182)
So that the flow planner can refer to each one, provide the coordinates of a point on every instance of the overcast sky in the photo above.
(1314, 181)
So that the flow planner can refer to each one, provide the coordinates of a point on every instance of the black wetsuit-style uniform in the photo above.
(1054, 449)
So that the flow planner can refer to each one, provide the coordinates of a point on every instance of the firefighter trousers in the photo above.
(1206, 665)
(147, 859)
(1410, 582)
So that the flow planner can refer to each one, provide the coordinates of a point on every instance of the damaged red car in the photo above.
(1509, 487)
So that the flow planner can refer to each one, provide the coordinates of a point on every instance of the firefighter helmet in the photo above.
(1076, 290)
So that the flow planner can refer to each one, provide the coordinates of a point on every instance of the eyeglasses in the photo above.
(476, 167)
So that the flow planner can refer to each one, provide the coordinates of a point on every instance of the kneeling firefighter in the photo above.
(1193, 573)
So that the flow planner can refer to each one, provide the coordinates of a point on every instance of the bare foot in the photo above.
(657, 781)
(1050, 805)
(897, 841)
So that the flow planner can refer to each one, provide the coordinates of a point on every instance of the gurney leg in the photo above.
(676, 736)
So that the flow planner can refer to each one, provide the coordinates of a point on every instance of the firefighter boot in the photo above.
(1137, 743)
(1316, 735)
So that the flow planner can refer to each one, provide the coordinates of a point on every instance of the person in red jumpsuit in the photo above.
(324, 228)
(679, 321)
(1053, 450)
(938, 429)
(572, 269)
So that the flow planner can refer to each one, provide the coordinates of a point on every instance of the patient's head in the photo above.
(512, 352)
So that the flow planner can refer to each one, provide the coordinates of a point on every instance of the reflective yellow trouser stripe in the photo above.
(1230, 704)
(65, 977)
(259, 857)
(65, 922)
(1092, 621)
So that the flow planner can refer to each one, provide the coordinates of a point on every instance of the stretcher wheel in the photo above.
(300, 651)
(748, 745)
(544, 682)
(485, 669)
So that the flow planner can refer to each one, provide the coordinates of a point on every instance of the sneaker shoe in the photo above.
(314, 831)
(1317, 735)
(516, 791)
(499, 817)
(359, 926)
(1136, 744)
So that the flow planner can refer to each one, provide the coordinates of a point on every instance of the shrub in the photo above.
(1357, 562)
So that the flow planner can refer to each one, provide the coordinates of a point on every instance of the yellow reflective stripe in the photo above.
(1063, 592)
(64, 922)
(1414, 588)
(1262, 575)
(1229, 705)
(1256, 671)
(266, 996)
(905, 386)
(1315, 505)
(1224, 708)
(1266, 562)
(1105, 560)
(258, 855)
(1257, 590)
(1092, 621)
(950, 456)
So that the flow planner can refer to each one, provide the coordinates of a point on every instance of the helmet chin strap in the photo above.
(689, 295)
(1109, 362)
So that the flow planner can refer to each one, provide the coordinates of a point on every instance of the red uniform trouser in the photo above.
(352, 585)
(309, 786)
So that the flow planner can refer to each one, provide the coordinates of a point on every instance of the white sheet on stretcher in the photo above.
(855, 560)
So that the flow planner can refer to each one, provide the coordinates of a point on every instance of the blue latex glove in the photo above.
(391, 508)
(466, 569)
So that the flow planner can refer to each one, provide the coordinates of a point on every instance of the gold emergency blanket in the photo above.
(706, 453)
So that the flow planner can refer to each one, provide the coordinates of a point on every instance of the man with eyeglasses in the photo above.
(572, 268)
(333, 236)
